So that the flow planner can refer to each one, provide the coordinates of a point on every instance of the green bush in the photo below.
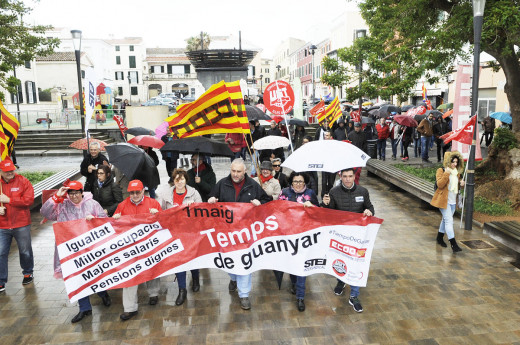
(37, 176)
(504, 139)
(427, 173)
(483, 205)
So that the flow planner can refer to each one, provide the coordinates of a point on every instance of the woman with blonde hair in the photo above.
(448, 179)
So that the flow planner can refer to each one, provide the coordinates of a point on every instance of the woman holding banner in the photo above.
(173, 195)
(69, 203)
(298, 192)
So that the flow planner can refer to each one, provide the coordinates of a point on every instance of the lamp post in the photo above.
(278, 68)
(76, 40)
(360, 34)
(261, 79)
(478, 20)
(312, 48)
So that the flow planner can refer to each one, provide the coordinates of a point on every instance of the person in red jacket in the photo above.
(383, 131)
(137, 203)
(237, 144)
(16, 196)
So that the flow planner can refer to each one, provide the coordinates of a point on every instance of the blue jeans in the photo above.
(447, 221)
(425, 147)
(243, 283)
(84, 303)
(417, 147)
(299, 282)
(22, 235)
(181, 278)
(354, 290)
(432, 141)
(381, 147)
(394, 147)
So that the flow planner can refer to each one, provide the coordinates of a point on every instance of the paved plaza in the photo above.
(417, 293)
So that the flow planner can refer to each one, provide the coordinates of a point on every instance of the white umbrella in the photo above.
(326, 155)
(271, 142)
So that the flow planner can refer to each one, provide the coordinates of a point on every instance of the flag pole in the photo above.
(285, 118)
(464, 177)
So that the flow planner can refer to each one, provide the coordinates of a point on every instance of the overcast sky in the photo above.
(167, 23)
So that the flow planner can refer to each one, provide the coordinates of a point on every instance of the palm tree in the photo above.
(193, 43)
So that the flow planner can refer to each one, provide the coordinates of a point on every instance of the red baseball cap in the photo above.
(7, 165)
(135, 186)
(75, 185)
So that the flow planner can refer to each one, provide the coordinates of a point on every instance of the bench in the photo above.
(53, 182)
(412, 184)
(506, 233)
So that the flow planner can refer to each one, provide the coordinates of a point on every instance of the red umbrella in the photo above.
(405, 120)
(147, 140)
(81, 144)
(277, 118)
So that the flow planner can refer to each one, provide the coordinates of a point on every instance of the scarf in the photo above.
(454, 181)
(265, 179)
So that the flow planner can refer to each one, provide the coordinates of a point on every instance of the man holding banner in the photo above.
(238, 187)
(353, 198)
(137, 203)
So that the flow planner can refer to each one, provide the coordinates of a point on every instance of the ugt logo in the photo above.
(339, 267)
(279, 97)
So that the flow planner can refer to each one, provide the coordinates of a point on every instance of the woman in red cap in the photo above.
(69, 203)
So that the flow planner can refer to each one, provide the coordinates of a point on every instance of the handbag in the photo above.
(460, 200)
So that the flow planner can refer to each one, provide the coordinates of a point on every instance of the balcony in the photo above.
(166, 76)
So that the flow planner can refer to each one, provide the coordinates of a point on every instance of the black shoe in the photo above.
(300, 304)
(440, 239)
(128, 315)
(293, 289)
(232, 286)
(195, 286)
(454, 246)
(181, 297)
(338, 290)
(245, 303)
(79, 316)
(27, 279)
(153, 300)
(107, 301)
(355, 303)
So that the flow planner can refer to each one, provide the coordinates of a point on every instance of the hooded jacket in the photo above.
(17, 212)
(67, 210)
(440, 197)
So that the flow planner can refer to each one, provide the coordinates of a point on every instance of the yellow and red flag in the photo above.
(336, 112)
(219, 110)
(9, 128)
(424, 93)
(331, 112)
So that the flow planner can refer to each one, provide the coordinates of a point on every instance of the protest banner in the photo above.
(238, 238)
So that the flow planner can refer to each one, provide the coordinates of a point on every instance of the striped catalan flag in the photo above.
(9, 131)
(329, 112)
(218, 110)
(336, 112)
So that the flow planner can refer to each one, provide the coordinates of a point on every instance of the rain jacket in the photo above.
(127, 207)
(290, 194)
(224, 191)
(442, 176)
(207, 181)
(383, 132)
(165, 196)
(238, 141)
(17, 212)
(355, 199)
(109, 195)
(359, 140)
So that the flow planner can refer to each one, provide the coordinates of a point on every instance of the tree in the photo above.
(410, 39)
(193, 43)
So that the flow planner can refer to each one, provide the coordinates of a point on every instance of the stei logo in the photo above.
(315, 166)
(339, 267)
(315, 262)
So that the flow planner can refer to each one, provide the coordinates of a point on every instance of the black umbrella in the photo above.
(298, 122)
(209, 147)
(419, 118)
(407, 107)
(375, 112)
(389, 108)
(279, 277)
(139, 131)
(434, 112)
(366, 119)
(373, 107)
(255, 113)
(134, 163)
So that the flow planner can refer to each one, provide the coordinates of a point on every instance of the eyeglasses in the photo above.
(276, 165)
(298, 182)
(135, 192)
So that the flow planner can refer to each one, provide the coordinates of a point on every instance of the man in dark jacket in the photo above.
(425, 128)
(488, 124)
(90, 163)
(320, 132)
(201, 177)
(358, 137)
(278, 173)
(238, 187)
(341, 132)
(353, 198)
(439, 129)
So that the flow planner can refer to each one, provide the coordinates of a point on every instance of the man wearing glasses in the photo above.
(278, 173)
(137, 203)
(15, 221)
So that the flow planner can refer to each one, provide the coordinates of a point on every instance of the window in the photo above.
(267, 70)
(82, 74)
(133, 90)
(120, 91)
(30, 91)
(131, 48)
(485, 107)
(134, 77)
(118, 48)
(20, 95)
(157, 69)
(267, 80)
(131, 61)
(118, 60)
(120, 76)
(28, 64)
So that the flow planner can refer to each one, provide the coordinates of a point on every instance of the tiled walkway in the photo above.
(417, 293)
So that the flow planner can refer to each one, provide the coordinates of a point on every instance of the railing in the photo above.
(60, 119)
(157, 76)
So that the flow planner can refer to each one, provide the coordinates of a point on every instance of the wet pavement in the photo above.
(417, 293)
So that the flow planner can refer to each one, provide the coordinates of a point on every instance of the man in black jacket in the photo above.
(353, 198)
(358, 137)
(90, 164)
(201, 177)
(238, 187)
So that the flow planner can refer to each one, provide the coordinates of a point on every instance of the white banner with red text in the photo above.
(103, 254)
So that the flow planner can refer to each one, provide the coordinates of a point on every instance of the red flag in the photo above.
(354, 116)
(463, 135)
(318, 108)
(120, 124)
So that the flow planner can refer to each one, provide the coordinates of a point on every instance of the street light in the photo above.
(312, 48)
(360, 34)
(76, 40)
(261, 79)
(478, 20)
(278, 68)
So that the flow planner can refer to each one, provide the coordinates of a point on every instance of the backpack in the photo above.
(435, 185)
